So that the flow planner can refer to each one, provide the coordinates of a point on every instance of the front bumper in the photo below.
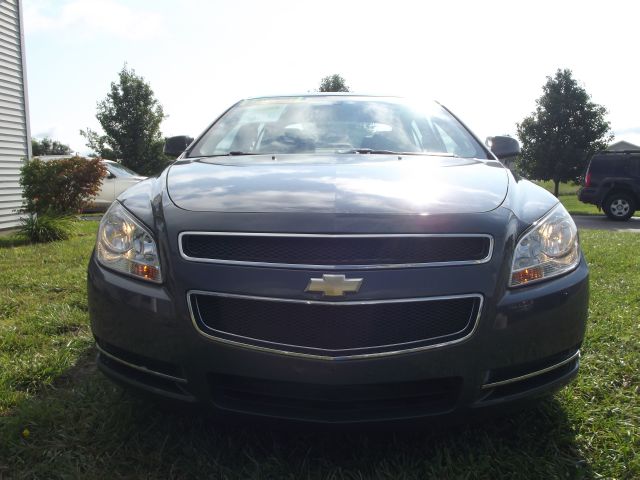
(526, 344)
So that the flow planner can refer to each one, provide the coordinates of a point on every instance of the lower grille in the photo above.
(335, 329)
(334, 403)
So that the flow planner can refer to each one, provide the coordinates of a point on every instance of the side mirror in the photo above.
(110, 175)
(174, 146)
(503, 147)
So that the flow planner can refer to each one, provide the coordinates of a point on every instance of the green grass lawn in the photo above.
(567, 194)
(576, 207)
(59, 418)
(569, 188)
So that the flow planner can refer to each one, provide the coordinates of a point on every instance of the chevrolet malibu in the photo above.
(339, 258)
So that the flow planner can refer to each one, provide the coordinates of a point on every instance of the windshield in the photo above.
(336, 124)
(120, 170)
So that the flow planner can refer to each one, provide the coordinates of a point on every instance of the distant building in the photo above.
(15, 137)
(622, 145)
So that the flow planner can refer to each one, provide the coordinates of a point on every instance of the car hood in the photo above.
(416, 184)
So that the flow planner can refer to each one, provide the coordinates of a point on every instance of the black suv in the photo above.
(612, 183)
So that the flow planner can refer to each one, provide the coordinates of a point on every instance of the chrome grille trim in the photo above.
(508, 381)
(337, 267)
(140, 368)
(281, 351)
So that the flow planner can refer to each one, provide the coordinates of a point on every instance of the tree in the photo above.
(98, 144)
(130, 116)
(333, 83)
(46, 146)
(563, 132)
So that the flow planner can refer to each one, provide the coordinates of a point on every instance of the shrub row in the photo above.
(54, 191)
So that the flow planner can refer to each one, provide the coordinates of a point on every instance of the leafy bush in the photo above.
(45, 227)
(60, 187)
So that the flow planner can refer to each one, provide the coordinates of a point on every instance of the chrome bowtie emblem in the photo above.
(333, 285)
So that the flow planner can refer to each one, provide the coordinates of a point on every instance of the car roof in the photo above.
(615, 154)
(322, 94)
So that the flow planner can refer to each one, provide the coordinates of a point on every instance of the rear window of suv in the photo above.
(607, 165)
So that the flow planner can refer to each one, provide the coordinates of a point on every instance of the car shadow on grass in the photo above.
(86, 427)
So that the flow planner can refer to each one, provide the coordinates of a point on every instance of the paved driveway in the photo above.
(600, 222)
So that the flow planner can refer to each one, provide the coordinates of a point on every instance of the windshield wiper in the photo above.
(371, 151)
(391, 152)
(363, 151)
(232, 154)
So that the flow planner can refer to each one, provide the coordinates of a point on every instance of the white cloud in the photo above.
(106, 17)
(35, 20)
(49, 132)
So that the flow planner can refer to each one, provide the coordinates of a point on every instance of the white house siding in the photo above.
(15, 141)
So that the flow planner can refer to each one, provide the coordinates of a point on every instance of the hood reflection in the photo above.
(413, 185)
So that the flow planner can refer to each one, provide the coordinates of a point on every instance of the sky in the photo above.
(485, 60)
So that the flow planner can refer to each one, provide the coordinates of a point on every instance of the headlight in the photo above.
(124, 245)
(549, 248)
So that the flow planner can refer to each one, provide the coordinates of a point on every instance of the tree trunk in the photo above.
(556, 187)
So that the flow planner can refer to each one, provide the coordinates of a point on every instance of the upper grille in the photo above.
(335, 329)
(359, 251)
